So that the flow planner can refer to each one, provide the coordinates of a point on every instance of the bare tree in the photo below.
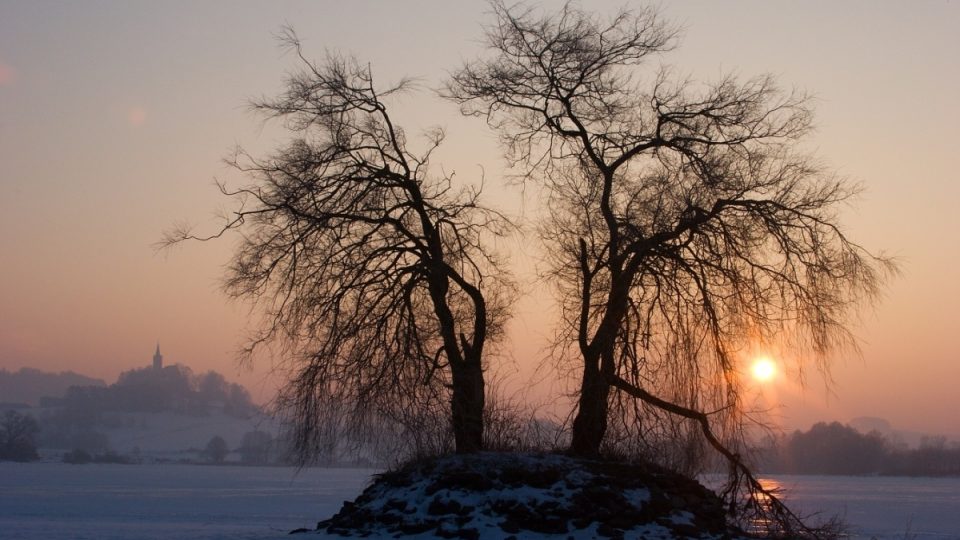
(17, 433)
(371, 269)
(216, 449)
(683, 226)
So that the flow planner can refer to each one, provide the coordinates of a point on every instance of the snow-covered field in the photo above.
(40, 501)
(881, 507)
(183, 502)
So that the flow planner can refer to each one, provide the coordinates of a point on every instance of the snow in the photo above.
(880, 507)
(147, 502)
(682, 518)
(40, 501)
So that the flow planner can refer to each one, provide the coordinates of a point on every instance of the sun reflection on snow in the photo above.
(761, 522)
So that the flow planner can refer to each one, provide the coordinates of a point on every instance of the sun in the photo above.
(763, 369)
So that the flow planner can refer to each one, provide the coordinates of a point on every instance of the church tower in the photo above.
(157, 359)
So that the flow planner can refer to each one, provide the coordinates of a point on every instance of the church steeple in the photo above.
(157, 359)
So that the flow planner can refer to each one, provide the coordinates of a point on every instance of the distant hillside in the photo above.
(29, 385)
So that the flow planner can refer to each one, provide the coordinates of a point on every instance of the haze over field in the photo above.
(114, 118)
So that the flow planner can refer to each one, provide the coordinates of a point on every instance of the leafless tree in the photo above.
(372, 270)
(683, 226)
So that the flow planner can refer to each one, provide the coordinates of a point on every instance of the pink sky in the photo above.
(114, 117)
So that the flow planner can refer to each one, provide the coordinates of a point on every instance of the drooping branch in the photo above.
(760, 504)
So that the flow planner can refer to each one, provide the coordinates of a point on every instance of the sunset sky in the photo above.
(115, 117)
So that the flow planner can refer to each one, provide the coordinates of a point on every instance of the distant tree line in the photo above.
(256, 448)
(79, 457)
(837, 449)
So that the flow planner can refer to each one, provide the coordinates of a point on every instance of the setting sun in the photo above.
(763, 369)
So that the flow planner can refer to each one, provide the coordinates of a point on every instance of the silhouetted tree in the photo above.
(216, 449)
(682, 226)
(372, 269)
(835, 449)
(935, 457)
(17, 437)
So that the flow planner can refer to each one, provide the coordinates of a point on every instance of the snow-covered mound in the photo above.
(492, 495)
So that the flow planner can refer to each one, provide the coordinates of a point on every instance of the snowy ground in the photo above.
(186, 502)
(881, 507)
(40, 501)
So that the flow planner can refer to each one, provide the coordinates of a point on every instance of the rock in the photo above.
(608, 531)
(412, 528)
(438, 507)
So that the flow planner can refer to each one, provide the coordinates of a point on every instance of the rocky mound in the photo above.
(492, 495)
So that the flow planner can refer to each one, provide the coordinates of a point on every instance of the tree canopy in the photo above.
(685, 226)
(373, 270)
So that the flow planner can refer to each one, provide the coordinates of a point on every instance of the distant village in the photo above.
(157, 413)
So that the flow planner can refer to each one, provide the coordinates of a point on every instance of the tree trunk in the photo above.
(590, 425)
(467, 406)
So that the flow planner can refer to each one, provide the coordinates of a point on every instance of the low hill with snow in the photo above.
(531, 496)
